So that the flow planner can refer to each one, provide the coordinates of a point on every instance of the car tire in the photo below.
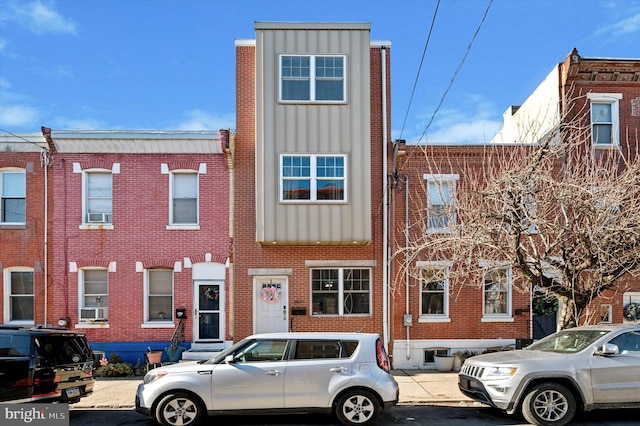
(179, 408)
(357, 407)
(549, 404)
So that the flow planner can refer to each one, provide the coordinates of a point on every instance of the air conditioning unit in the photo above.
(98, 217)
(93, 314)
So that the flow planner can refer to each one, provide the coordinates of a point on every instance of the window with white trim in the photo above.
(341, 291)
(496, 291)
(434, 291)
(94, 295)
(312, 78)
(441, 192)
(605, 120)
(19, 300)
(98, 197)
(184, 198)
(159, 295)
(13, 196)
(312, 178)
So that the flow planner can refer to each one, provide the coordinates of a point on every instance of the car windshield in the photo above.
(568, 341)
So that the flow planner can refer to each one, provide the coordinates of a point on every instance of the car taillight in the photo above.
(381, 356)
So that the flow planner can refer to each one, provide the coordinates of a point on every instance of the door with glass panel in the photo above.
(208, 305)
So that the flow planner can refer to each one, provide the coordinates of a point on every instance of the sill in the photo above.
(157, 324)
(497, 319)
(611, 146)
(92, 325)
(434, 319)
(183, 227)
(438, 230)
(98, 227)
(13, 226)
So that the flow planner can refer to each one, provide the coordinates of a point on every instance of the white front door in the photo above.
(271, 305)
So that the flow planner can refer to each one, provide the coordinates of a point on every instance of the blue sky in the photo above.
(170, 64)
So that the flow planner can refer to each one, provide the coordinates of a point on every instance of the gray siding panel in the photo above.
(313, 128)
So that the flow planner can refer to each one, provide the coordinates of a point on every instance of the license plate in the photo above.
(73, 392)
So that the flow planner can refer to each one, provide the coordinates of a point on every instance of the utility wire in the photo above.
(26, 140)
(455, 74)
(424, 52)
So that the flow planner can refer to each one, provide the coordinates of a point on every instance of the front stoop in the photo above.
(202, 351)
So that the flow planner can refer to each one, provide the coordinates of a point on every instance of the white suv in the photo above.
(581, 368)
(342, 373)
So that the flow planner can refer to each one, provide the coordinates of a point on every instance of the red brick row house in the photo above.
(492, 307)
(25, 230)
(313, 131)
(140, 237)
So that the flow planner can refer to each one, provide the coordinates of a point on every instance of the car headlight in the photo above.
(500, 371)
(152, 376)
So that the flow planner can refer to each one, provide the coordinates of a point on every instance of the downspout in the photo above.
(385, 230)
(45, 164)
(406, 256)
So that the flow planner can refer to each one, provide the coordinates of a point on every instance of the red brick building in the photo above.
(492, 307)
(25, 230)
(312, 139)
(141, 237)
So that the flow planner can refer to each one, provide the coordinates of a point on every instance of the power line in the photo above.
(24, 139)
(455, 74)
(424, 52)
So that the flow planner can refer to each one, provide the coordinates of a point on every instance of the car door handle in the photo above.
(204, 372)
(273, 373)
(338, 370)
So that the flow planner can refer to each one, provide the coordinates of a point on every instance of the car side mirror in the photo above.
(607, 349)
(229, 359)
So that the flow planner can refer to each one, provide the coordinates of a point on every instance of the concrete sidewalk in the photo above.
(416, 387)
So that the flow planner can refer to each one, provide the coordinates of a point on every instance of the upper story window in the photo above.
(13, 190)
(184, 198)
(341, 291)
(94, 295)
(441, 190)
(98, 197)
(605, 120)
(313, 178)
(434, 293)
(312, 78)
(497, 291)
(159, 297)
(18, 287)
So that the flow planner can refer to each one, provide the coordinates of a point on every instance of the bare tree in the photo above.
(566, 216)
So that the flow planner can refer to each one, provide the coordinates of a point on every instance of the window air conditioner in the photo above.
(93, 314)
(98, 217)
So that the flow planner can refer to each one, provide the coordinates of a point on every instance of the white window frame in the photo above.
(99, 299)
(488, 267)
(9, 296)
(612, 99)
(341, 292)
(445, 267)
(440, 180)
(3, 173)
(313, 79)
(168, 320)
(185, 225)
(313, 178)
(606, 313)
(97, 218)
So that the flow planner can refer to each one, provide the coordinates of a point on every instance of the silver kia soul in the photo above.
(346, 374)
